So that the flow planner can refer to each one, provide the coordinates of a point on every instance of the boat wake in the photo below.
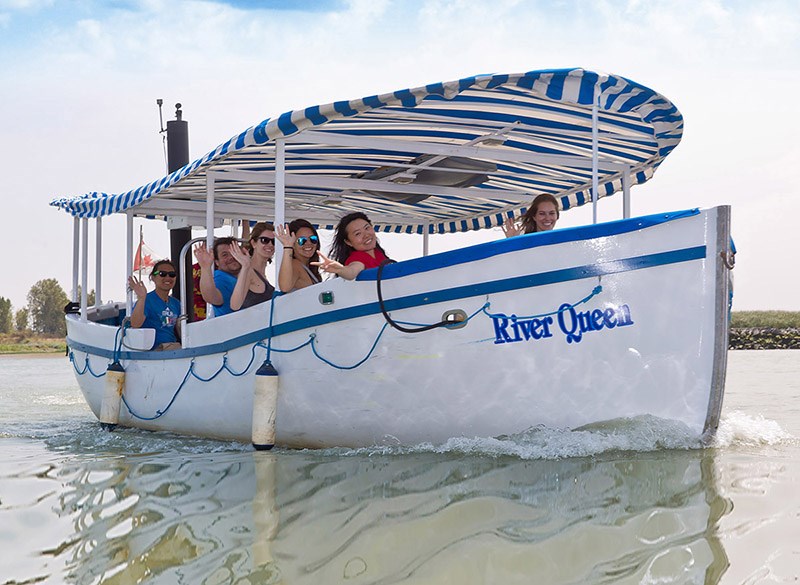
(738, 429)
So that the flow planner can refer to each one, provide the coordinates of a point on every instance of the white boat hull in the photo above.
(650, 341)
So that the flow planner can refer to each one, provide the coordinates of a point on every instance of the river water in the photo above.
(622, 504)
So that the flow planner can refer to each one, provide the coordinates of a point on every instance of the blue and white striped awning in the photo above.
(447, 157)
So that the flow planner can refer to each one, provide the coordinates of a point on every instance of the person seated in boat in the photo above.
(252, 286)
(157, 309)
(218, 273)
(300, 248)
(540, 217)
(355, 247)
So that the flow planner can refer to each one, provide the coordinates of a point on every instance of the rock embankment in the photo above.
(764, 338)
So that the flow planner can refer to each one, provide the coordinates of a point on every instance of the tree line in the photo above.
(44, 312)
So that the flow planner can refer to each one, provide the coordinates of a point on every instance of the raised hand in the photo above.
(242, 257)
(204, 256)
(138, 287)
(284, 236)
(510, 228)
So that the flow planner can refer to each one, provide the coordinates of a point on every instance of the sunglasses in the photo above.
(165, 273)
(301, 241)
(266, 240)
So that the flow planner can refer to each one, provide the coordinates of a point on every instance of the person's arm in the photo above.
(139, 289)
(286, 276)
(243, 280)
(348, 272)
(208, 287)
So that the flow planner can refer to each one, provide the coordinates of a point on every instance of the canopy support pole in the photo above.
(128, 261)
(84, 265)
(76, 251)
(595, 152)
(210, 185)
(280, 200)
(425, 239)
(626, 192)
(98, 257)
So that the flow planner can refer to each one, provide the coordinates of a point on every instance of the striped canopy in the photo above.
(448, 157)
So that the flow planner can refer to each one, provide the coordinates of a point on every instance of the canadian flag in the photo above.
(144, 257)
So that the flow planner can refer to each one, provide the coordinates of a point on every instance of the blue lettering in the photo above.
(624, 315)
(500, 334)
(546, 322)
(569, 331)
(609, 318)
(597, 319)
(585, 323)
(515, 327)
(527, 329)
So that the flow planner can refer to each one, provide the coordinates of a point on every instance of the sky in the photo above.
(79, 82)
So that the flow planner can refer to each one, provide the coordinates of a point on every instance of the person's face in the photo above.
(308, 247)
(226, 262)
(264, 244)
(164, 277)
(360, 235)
(545, 217)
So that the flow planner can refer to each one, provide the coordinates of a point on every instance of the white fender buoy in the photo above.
(265, 404)
(112, 396)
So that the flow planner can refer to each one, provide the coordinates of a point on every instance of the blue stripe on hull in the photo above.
(418, 300)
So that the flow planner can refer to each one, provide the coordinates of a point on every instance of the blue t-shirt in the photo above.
(225, 283)
(161, 316)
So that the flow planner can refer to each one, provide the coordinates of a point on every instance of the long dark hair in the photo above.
(340, 250)
(528, 223)
(255, 233)
(302, 223)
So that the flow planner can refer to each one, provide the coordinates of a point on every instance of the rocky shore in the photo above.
(764, 338)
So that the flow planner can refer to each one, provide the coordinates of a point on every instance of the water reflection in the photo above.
(305, 517)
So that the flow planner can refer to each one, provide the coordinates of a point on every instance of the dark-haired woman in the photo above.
(252, 286)
(300, 248)
(540, 217)
(355, 247)
(157, 309)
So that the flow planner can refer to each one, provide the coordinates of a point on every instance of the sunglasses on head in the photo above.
(266, 240)
(170, 273)
(301, 241)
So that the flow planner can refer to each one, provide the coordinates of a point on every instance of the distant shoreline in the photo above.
(764, 338)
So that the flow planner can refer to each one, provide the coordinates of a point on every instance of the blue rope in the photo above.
(338, 367)
(190, 371)
(450, 325)
(275, 295)
(87, 367)
(596, 291)
(119, 339)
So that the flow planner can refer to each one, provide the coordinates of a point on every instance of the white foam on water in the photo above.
(737, 428)
(643, 434)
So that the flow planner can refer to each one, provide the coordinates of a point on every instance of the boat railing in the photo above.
(187, 247)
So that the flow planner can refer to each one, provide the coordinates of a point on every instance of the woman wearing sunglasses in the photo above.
(355, 247)
(252, 286)
(300, 247)
(157, 309)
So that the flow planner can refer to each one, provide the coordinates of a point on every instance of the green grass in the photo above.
(30, 343)
(765, 319)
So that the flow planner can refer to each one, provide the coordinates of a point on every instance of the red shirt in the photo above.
(367, 260)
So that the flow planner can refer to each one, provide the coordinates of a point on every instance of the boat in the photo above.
(613, 321)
